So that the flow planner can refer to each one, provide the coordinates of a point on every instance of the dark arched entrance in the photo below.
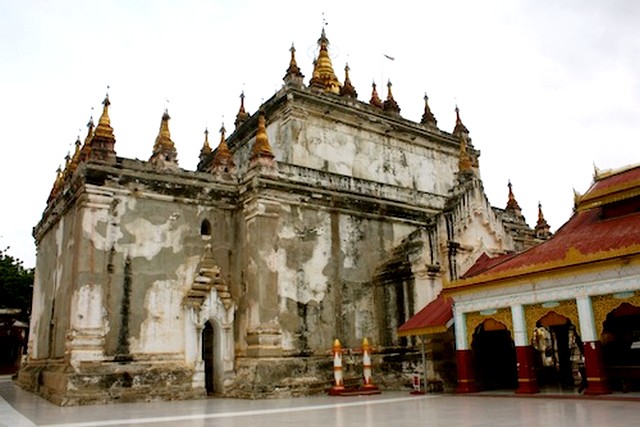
(207, 356)
(494, 356)
(621, 347)
(559, 357)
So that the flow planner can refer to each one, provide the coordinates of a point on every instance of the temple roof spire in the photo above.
(242, 115)
(164, 153)
(460, 127)
(261, 150)
(542, 228)
(390, 104)
(103, 140)
(75, 159)
(347, 90)
(512, 204)
(206, 148)
(324, 78)
(294, 76)
(222, 158)
(427, 117)
(86, 146)
(375, 99)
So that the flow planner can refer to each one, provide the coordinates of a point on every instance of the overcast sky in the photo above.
(546, 89)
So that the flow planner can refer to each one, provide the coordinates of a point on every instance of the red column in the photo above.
(594, 366)
(527, 382)
(466, 378)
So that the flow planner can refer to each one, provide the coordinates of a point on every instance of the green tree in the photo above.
(16, 283)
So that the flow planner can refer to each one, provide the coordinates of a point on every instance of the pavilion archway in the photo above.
(494, 356)
(620, 340)
(559, 353)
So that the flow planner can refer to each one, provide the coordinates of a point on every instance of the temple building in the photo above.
(563, 314)
(320, 216)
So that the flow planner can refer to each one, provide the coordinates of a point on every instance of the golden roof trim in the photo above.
(573, 258)
(614, 193)
(428, 330)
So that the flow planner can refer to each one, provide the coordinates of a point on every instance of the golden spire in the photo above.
(261, 147)
(222, 158)
(464, 161)
(104, 128)
(206, 148)
(375, 99)
(242, 115)
(75, 159)
(86, 146)
(57, 185)
(390, 104)
(103, 140)
(512, 204)
(164, 150)
(323, 77)
(428, 118)
(542, 227)
(347, 89)
(459, 128)
(293, 76)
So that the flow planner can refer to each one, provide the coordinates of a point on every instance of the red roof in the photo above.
(613, 180)
(485, 262)
(434, 318)
(609, 230)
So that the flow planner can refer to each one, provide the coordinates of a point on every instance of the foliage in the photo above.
(16, 283)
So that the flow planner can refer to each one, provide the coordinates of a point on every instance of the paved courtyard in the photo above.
(21, 409)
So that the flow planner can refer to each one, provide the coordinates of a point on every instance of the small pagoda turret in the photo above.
(165, 155)
(103, 141)
(324, 79)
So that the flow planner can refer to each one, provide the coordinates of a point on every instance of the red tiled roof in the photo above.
(485, 262)
(629, 175)
(434, 318)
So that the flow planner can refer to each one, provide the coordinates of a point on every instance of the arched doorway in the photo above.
(494, 356)
(621, 347)
(559, 359)
(208, 342)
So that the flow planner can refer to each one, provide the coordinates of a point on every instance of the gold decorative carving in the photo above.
(602, 305)
(502, 315)
(533, 313)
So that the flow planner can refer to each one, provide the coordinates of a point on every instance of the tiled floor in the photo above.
(19, 408)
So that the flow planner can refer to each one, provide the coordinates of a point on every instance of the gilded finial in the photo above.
(222, 158)
(324, 78)
(75, 159)
(390, 104)
(104, 121)
(86, 146)
(206, 148)
(102, 139)
(242, 115)
(164, 151)
(261, 147)
(293, 75)
(596, 172)
(427, 117)
(347, 89)
(375, 99)
(512, 203)
(542, 227)
(460, 127)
